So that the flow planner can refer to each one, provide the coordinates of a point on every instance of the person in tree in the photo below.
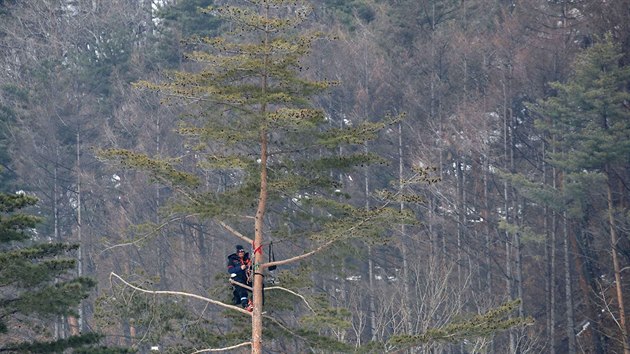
(239, 267)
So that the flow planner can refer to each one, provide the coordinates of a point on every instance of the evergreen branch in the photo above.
(480, 325)
(168, 92)
(56, 346)
(244, 344)
(180, 293)
(330, 242)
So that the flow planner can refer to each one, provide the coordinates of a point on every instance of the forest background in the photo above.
(520, 108)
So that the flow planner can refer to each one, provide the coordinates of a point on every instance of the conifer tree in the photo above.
(249, 99)
(590, 120)
(33, 283)
(248, 108)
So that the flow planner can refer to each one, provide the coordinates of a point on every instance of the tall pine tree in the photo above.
(248, 98)
(589, 119)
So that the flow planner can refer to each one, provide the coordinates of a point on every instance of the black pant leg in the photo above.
(241, 294)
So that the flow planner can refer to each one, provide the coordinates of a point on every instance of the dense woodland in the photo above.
(487, 159)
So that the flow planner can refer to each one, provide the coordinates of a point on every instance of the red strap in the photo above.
(257, 250)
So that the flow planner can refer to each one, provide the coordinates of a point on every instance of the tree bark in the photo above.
(509, 286)
(550, 257)
(257, 294)
(403, 236)
(570, 328)
(371, 302)
(616, 266)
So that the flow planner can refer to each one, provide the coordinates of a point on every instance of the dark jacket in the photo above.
(234, 267)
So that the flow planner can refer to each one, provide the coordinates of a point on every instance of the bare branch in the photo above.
(148, 234)
(180, 293)
(234, 282)
(297, 258)
(244, 344)
(292, 292)
(236, 233)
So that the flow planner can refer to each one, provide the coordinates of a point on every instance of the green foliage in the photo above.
(527, 234)
(154, 317)
(587, 118)
(230, 109)
(328, 318)
(15, 226)
(179, 23)
(481, 325)
(85, 343)
(3, 9)
(168, 319)
(31, 279)
(327, 344)
(350, 11)
(188, 17)
(12, 99)
(249, 112)
(161, 170)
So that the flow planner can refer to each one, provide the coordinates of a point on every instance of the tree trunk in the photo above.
(617, 268)
(509, 286)
(403, 236)
(75, 325)
(257, 246)
(257, 293)
(570, 328)
(371, 304)
(58, 328)
(550, 258)
(488, 241)
(81, 311)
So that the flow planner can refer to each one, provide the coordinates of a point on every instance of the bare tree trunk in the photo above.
(371, 305)
(553, 285)
(403, 236)
(488, 241)
(570, 329)
(59, 320)
(76, 324)
(617, 268)
(509, 286)
(550, 251)
(79, 228)
(460, 220)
